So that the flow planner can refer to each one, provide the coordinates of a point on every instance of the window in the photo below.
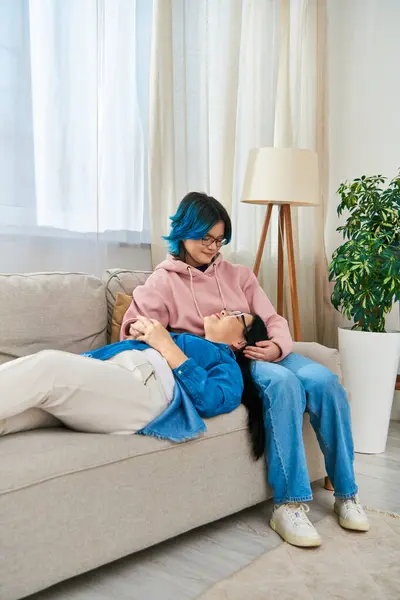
(74, 117)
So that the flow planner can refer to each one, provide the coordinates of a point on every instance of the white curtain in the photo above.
(228, 76)
(300, 121)
(73, 124)
(193, 103)
(212, 95)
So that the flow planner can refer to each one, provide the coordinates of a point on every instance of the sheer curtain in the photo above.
(300, 121)
(73, 129)
(227, 77)
(212, 97)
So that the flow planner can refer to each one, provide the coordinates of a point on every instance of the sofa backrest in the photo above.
(64, 311)
(124, 281)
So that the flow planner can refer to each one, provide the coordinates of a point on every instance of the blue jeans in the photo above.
(289, 388)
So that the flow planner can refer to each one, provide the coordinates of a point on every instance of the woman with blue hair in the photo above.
(194, 281)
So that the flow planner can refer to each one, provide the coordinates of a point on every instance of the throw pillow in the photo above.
(121, 305)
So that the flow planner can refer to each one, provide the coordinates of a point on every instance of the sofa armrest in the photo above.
(329, 357)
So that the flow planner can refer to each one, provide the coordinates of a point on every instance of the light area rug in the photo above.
(348, 566)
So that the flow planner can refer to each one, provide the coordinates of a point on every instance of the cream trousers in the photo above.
(121, 395)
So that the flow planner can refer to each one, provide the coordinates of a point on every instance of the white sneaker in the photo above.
(293, 525)
(351, 514)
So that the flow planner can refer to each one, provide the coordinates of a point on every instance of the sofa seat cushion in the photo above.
(329, 357)
(58, 452)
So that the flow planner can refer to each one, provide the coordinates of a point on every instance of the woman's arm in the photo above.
(259, 303)
(155, 335)
(148, 301)
(214, 389)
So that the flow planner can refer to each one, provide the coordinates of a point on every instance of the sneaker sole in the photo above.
(295, 540)
(351, 525)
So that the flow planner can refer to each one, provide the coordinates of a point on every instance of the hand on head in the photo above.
(264, 350)
(242, 331)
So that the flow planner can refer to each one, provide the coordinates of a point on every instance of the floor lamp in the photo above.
(286, 177)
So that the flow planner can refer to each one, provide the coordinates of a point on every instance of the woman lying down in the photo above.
(159, 384)
(163, 384)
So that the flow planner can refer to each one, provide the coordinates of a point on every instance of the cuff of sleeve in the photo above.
(187, 374)
(184, 369)
(125, 330)
(286, 347)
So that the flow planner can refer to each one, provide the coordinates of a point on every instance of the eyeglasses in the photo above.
(237, 314)
(234, 313)
(210, 239)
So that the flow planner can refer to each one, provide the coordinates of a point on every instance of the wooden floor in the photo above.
(183, 568)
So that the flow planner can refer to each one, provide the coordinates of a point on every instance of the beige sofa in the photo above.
(70, 502)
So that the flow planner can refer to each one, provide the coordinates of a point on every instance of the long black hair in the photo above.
(252, 396)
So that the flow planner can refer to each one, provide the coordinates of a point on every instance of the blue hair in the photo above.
(196, 215)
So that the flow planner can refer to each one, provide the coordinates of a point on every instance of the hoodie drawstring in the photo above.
(219, 286)
(194, 296)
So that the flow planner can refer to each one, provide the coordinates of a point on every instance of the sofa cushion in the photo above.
(329, 357)
(64, 311)
(121, 305)
(67, 451)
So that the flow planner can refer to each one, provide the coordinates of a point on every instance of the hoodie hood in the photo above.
(178, 266)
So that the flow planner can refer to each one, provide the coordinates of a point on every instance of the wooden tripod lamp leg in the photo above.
(292, 272)
(327, 484)
(281, 237)
(262, 240)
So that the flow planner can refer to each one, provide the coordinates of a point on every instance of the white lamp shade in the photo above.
(281, 176)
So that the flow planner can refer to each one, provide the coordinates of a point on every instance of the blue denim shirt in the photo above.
(208, 384)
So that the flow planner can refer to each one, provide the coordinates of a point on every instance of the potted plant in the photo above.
(366, 274)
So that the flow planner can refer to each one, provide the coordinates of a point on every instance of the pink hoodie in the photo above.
(179, 296)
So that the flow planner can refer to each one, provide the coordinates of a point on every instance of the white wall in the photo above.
(364, 91)
(363, 98)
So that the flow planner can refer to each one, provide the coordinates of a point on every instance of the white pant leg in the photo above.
(85, 394)
(33, 418)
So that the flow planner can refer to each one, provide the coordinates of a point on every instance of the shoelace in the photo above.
(298, 514)
(351, 503)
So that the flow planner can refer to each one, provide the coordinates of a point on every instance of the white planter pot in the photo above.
(369, 366)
